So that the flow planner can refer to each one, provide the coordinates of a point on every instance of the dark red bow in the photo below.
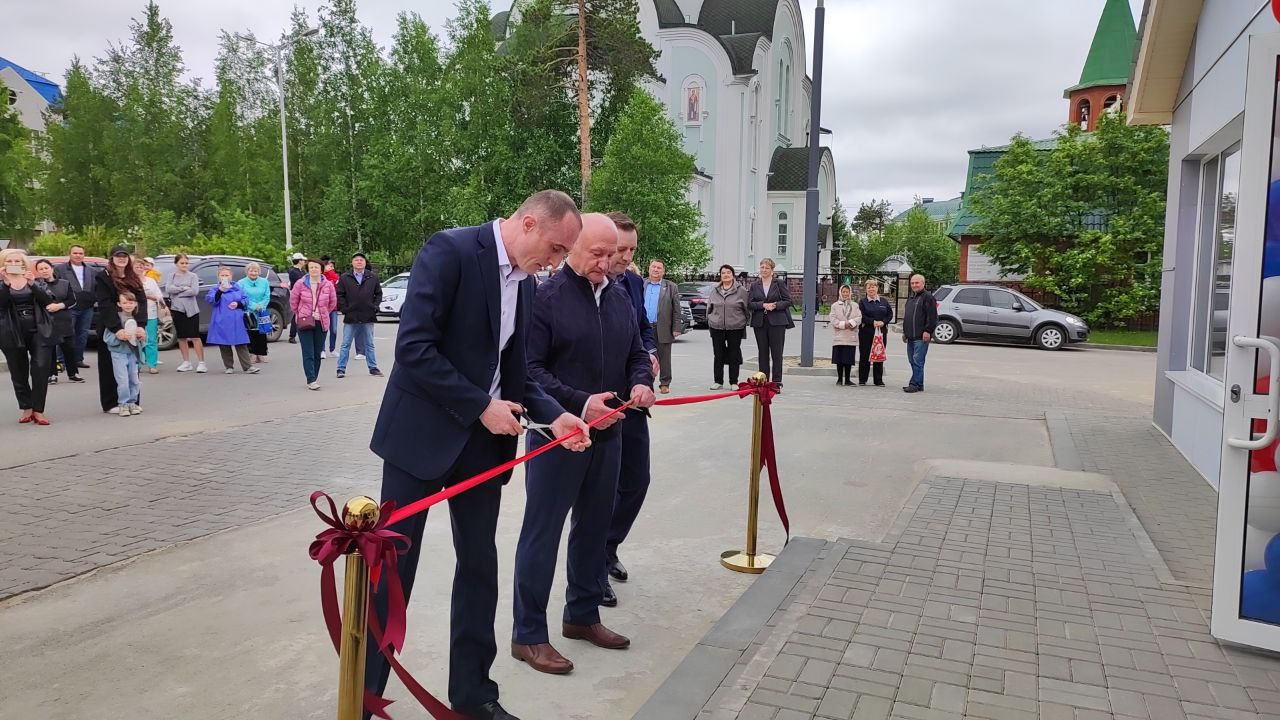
(766, 391)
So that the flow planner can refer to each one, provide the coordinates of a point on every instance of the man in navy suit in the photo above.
(584, 349)
(450, 412)
(633, 475)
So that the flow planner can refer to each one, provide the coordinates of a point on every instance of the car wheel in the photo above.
(1051, 337)
(946, 332)
(277, 325)
(166, 337)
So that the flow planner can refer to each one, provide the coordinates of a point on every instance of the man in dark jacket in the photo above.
(584, 349)
(918, 323)
(296, 273)
(83, 279)
(359, 294)
(633, 475)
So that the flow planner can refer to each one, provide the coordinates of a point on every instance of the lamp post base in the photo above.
(740, 561)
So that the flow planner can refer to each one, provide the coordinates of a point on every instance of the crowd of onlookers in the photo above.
(48, 311)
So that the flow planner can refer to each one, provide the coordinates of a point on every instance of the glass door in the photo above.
(1244, 263)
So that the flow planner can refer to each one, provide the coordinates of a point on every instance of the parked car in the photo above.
(206, 269)
(697, 293)
(393, 293)
(686, 316)
(994, 313)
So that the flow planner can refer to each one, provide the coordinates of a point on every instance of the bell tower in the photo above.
(1106, 71)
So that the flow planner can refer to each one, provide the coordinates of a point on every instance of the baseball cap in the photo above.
(150, 260)
(359, 255)
(120, 250)
(297, 256)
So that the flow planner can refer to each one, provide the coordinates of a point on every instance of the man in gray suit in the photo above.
(662, 305)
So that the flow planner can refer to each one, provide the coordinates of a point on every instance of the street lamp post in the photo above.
(284, 132)
(810, 294)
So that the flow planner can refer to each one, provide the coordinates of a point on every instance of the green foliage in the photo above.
(1041, 216)
(872, 217)
(925, 245)
(646, 173)
(96, 240)
(19, 173)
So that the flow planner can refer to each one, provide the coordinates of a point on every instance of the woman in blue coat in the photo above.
(226, 325)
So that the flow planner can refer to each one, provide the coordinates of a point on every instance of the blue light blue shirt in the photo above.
(652, 291)
(359, 277)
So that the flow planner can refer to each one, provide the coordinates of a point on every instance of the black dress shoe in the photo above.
(618, 572)
(82, 365)
(487, 711)
(911, 389)
(610, 598)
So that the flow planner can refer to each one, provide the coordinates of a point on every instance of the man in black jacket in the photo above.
(918, 323)
(584, 349)
(83, 279)
(359, 294)
(296, 273)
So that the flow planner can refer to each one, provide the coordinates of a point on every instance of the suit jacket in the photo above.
(668, 323)
(578, 348)
(778, 293)
(634, 285)
(83, 293)
(447, 352)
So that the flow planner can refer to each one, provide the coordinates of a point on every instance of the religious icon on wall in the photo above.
(693, 104)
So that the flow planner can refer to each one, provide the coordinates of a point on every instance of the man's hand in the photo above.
(568, 423)
(925, 336)
(653, 364)
(596, 408)
(233, 305)
(642, 396)
(500, 418)
(54, 307)
(675, 333)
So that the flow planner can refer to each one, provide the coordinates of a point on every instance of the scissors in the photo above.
(540, 428)
(618, 402)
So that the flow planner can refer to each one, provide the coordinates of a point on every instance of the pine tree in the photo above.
(646, 173)
(77, 191)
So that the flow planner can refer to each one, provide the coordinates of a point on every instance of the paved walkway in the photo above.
(1004, 601)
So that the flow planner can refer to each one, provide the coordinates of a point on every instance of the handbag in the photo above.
(264, 324)
(877, 347)
(250, 320)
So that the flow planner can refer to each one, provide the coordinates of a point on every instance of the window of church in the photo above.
(783, 233)
(13, 97)
(1083, 118)
(694, 91)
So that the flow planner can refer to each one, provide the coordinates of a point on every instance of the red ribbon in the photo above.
(380, 546)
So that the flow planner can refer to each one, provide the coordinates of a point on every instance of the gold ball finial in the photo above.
(760, 377)
(360, 513)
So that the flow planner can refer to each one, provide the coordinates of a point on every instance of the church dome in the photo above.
(729, 17)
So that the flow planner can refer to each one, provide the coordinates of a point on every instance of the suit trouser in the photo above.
(29, 372)
(555, 483)
(633, 481)
(474, 519)
(664, 363)
(769, 341)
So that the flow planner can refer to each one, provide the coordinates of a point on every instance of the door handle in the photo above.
(1273, 393)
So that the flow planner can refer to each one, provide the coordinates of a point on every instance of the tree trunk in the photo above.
(584, 105)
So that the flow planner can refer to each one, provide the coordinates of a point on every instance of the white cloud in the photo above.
(911, 85)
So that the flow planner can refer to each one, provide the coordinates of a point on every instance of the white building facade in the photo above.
(732, 75)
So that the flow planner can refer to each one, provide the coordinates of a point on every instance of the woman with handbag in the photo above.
(226, 324)
(845, 321)
(727, 317)
(877, 313)
(26, 335)
(120, 277)
(770, 303)
(150, 288)
(257, 295)
(183, 289)
(64, 299)
(312, 299)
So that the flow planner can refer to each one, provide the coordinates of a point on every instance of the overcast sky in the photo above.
(911, 85)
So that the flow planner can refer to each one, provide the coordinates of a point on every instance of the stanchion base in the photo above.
(739, 561)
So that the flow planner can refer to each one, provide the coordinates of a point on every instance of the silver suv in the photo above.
(994, 313)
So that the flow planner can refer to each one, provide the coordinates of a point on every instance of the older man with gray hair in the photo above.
(918, 323)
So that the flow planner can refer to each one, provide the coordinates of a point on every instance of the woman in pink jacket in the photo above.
(312, 299)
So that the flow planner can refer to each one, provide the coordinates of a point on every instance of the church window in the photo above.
(783, 233)
(694, 92)
(1084, 114)
(1110, 101)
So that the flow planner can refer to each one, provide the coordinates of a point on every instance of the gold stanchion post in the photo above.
(748, 560)
(359, 513)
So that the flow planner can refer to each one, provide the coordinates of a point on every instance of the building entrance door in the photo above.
(1246, 582)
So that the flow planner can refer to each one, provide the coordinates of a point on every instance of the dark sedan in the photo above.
(696, 293)
(206, 268)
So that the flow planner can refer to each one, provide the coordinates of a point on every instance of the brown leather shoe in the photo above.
(597, 635)
(542, 658)
(664, 389)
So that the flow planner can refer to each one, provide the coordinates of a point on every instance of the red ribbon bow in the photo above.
(766, 391)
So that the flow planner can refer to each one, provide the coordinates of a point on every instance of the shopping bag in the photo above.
(877, 347)
(265, 326)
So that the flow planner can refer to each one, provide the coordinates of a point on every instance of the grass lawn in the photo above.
(1141, 338)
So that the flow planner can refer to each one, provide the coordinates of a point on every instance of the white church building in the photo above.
(732, 76)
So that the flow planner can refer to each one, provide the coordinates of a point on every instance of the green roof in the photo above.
(937, 209)
(1115, 43)
(981, 171)
(789, 169)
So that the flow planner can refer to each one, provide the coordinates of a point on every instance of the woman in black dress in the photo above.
(26, 335)
(64, 299)
(877, 313)
(119, 277)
